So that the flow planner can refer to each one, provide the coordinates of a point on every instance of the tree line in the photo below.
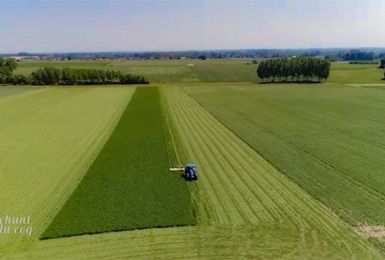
(68, 76)
(65, 76)
(358, 55)
(298, 69)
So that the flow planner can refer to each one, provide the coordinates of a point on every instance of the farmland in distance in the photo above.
(275, 162)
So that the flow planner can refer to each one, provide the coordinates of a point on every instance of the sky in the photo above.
(165, 25)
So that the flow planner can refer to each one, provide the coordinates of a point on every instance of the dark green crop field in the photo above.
(328, 138)
(129, 185)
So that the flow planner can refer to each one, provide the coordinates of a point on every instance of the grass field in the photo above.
(9, 91)
(356, 73)
(215, 70)
(162, 71)
(26, 67)
(285, 171)
(245, 206)
(129, 185)
(48, 140)
(328, 139)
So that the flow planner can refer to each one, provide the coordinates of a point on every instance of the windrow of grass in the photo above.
(328, 139)
(239, 188)
(246, 208)
(129, 185)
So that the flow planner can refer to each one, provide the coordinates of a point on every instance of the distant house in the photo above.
(18, 58)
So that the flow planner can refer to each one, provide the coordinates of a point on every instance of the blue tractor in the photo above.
(189, 171)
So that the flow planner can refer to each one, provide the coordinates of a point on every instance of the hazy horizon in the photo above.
(191, 50)
(155, 25)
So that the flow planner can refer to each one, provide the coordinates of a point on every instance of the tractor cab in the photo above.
(190, 172)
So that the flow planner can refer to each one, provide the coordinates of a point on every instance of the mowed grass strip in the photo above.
(298, 229)
(49, 137)
(129, 185)
(328, 139)
(240, 188)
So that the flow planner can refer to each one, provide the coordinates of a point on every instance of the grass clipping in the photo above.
(128, 186)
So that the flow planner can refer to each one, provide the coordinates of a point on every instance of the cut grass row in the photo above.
(238, 187)
(208, 242)
(129, 185)
(276, 218)
(48, 139)
(329, 140)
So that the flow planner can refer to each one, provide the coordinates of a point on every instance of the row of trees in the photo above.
(358, 55)
(299, 69)
(67, 76)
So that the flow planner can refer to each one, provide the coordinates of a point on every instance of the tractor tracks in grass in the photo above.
(210, 242)
(239, 187)
(245, 207)
(339, 174)
(322, 163)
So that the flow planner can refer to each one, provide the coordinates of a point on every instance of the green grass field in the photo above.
(356, 73)
(9, 91)
(215, 70)
(48, 140)
(128, 186)
(245, 206)
(162, 71)
(26, 67)
(285, 171)
(328, 139)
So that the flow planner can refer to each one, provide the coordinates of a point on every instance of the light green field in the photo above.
(245, 206)
(274, 161)
(26, 67)
(356, 73)
(162, 71)
(48, 138)
(212, 70)
(327, 138)
(9, 91)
